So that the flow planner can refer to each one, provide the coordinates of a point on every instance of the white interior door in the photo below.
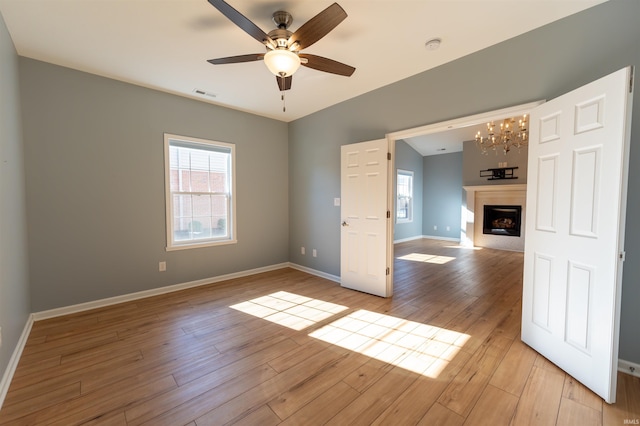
(364, 236)
(576, 202)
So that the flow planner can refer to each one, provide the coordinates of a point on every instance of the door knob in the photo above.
(344, 223)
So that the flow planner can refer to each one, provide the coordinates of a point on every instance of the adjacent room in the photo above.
(174, 225)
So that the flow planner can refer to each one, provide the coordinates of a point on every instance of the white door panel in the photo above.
(364, 184)
(575, 228)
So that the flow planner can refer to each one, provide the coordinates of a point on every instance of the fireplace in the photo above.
(478, 196)
(502, 220)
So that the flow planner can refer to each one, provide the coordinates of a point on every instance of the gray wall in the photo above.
(442, 195)
(410, 160)
(474, 161)
(557, 58)
(14, 279)
(95, 186)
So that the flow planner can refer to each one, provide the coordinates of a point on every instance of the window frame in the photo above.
(171, 243)
(409, 174)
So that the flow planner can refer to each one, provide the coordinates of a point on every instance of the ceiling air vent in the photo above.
(204, 93)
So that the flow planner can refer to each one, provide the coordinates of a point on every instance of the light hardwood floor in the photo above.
(289, 348)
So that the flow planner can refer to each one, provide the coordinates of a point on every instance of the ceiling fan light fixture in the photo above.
(282, 62)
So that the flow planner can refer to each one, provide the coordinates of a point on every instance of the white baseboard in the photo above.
(404, 240)
(629, 367)
(15, 358)
(436, 237)
(315, 272)
(148, 293)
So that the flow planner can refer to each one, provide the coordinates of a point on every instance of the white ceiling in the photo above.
(444, 142)
(164, 44)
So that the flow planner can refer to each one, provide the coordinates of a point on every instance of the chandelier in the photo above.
(507, 136)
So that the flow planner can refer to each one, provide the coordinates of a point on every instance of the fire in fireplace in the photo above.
(502, 220)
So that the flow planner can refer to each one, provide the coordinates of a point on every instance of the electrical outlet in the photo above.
(435, 227)
(315, 253)
(448, 228)
(302, 251)
(162, 266)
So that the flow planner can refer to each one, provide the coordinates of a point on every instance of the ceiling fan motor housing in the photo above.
(282, 19)
(280, 36)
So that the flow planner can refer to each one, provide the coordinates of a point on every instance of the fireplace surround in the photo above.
(479, 196)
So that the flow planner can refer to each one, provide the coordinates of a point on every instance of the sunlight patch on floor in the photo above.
(289, 310)
(420, 348)
(428, 258)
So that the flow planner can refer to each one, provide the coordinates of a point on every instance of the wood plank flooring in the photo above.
(289, 348)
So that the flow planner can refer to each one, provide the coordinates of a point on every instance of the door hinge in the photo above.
(622, 255)
(388, 214)
(631, 80)
(388, 271)
(388, 156)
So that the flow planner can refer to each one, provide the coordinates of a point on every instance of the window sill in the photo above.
(400, 221)
(200, 245)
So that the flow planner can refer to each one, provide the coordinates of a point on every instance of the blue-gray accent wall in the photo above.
(442, 195)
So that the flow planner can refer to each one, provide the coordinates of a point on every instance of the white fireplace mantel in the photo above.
(494, 188)
(507, 194)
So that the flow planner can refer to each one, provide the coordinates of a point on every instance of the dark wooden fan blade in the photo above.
(237, 59)
(284, 83)
(327, 65)
(242, 21)
(317, 27)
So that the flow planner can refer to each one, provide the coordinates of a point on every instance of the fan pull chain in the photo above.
(281, 84)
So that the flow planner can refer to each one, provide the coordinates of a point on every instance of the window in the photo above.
(404, 202)
(200, 195)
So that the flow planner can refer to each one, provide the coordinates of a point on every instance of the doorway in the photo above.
(444, 138)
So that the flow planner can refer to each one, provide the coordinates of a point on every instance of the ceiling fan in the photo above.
(283, 56)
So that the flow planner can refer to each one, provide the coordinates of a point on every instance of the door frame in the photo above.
(441, 126)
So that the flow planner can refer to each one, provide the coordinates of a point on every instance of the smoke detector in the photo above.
(433, 44)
